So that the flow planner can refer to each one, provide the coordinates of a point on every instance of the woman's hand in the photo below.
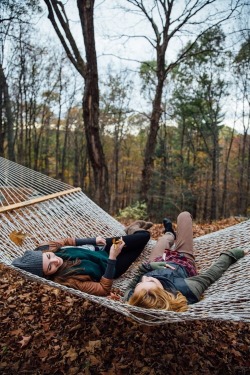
(116, 249)
(160, 265)
(100, 241)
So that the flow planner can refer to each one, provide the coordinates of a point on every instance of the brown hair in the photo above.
(65, 271)
(159, 299)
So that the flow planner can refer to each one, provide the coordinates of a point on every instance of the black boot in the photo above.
(168, 226)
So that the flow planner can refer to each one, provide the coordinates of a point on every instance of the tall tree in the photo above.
(170, 20)
(7, 120)
(14, 15)
(89, 72)
(200, 91)
(115, 102)
(228, 139)
(241, 70)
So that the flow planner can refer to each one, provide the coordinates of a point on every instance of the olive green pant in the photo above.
(198, 284)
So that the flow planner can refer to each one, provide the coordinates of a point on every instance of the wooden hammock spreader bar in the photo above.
(37, 200)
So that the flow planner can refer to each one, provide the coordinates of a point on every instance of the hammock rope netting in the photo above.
(48, 209)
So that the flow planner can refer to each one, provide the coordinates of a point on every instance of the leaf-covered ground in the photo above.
(45, 330)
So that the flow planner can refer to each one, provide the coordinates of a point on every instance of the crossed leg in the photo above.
(184, 235)
(184, 239)
(163, 243)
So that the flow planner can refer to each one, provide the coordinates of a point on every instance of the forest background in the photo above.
(143, 104)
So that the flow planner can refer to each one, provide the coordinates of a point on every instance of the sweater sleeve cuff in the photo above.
(110, 270)
(235, 253)
(85, 241)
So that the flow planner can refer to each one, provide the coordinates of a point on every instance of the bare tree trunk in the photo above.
(245, 211)
(90, 101)
(80, 158)
(241, 165)
(37, 139)
(116, 161)
(20, 128)
(76, 175)
(115, 193)
(206, 196)
(6, 104)
(65, 145)
(58, 124)
(46, 148)
(91, 105)
(148, 164)
(1, 112)
(213, 202)
(223, 210)
(163, 173)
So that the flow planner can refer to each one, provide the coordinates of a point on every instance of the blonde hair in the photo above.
(159, 299)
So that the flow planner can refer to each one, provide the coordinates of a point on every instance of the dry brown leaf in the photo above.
(43, 353)
(56, 292)
(73, 371)
(25, 340)
(17, 236)
(71, 354)
(93, 345)
(116, 242)
(94, 360)
(16, 332)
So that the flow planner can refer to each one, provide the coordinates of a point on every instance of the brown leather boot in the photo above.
(138, 225)
(148, 225)
(133, 228)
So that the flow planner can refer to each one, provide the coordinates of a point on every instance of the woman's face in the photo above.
(51, 263)
(148, 283)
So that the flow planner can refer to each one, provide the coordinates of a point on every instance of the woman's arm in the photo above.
(90, 241)
(198, 284)
(142, 269)
(101, 288)
(56, 244)
(70, 241)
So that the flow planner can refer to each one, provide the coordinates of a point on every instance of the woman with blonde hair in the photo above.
(169, 281)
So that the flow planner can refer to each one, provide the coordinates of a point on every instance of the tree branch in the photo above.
(75, 58)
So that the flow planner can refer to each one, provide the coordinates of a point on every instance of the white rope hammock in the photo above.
(49, 209)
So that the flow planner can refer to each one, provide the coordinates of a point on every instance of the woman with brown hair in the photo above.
(87, 264)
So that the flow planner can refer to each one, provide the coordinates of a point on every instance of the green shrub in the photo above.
(138, 211)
